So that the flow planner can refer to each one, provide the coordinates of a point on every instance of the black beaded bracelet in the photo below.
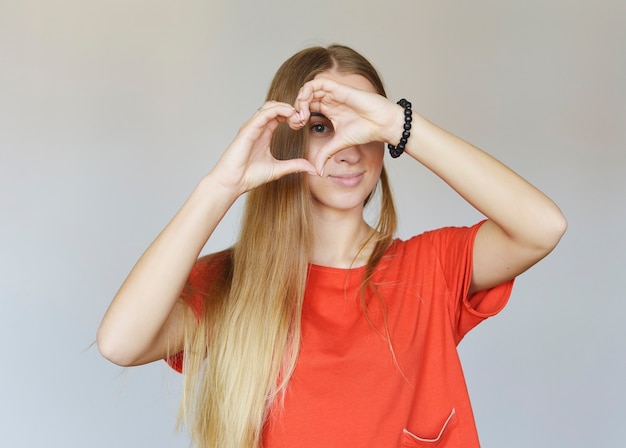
(395, 151)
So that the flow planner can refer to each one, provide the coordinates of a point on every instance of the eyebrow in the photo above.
(317, 114)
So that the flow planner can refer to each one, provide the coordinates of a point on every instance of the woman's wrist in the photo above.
(393, 132)
(210, 186)
(397, 150)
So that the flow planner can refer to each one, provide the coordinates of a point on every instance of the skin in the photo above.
(346, 179)
(523, 225)
(344, 162)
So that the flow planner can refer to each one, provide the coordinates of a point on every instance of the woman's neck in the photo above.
(338, 240)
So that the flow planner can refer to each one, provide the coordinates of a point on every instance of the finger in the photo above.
(310, 96)
(302, 103)
(287, 115)
(274, 109)
(284, 167)
(269, 115)
(320, 88)
(316, 85)
(325, 153)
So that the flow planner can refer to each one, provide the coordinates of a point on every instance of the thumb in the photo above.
(326, 153)
(289, 166)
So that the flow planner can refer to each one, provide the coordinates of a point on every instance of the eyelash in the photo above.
(315, 128)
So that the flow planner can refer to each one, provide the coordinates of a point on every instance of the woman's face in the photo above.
(352, 173)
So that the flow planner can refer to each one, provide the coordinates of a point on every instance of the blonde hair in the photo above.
(241, 355)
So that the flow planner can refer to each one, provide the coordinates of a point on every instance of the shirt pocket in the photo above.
(412, 440)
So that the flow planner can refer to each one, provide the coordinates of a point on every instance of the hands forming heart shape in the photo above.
(356, 112)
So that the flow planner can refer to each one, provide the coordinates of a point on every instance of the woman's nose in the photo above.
(348, 155)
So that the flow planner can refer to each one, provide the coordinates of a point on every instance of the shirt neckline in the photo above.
(354, 269)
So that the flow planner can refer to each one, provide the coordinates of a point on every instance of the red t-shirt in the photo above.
(347, 389)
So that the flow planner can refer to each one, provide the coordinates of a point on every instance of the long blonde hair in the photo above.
(240, 356)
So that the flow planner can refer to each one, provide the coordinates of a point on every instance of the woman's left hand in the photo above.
(358, 116)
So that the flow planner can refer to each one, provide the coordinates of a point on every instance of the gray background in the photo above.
(111, 111)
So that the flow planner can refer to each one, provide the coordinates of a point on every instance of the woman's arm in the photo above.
(523, 226)
(143, 318)
(144, 321)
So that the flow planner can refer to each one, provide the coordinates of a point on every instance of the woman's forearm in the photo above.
(144, 302)
(522, 211)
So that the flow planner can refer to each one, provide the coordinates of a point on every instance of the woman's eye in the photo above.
(320, 128)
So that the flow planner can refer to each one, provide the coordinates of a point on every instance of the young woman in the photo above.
(316, 329)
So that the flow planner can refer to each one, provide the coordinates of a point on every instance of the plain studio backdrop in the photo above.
(111, 111)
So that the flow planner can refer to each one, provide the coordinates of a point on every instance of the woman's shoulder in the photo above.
(208, 267)
(215, 259)
(442, 239)
(443, 234)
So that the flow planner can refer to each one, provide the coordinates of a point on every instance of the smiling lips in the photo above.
(347, 180)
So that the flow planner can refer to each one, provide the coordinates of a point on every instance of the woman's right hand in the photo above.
(145, 320)
(247, 162)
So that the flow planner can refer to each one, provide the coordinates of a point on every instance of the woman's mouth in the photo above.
(347, 180)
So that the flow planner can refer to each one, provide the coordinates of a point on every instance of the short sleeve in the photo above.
(198, 284)
(454, 247)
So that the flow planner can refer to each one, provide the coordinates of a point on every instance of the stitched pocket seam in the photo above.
(436, 439)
